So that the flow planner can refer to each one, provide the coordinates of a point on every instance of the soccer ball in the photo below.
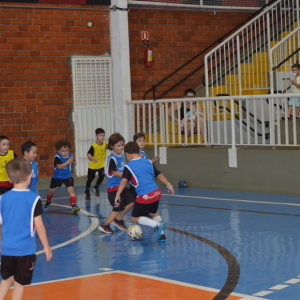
(182, 184)
(134, 232)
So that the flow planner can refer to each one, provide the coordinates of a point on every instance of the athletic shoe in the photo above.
(96, 190)
(158, 231)
(162, 238)
(120, 224)
(47, 205)
(87, 195)
(75, 209)
(105, 228)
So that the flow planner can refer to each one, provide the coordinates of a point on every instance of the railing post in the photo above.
(233, 142)
(155, 129)
(239, 64)
(298, 24)
(153, 87)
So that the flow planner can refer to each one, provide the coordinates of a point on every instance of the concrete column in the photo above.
(119, 34)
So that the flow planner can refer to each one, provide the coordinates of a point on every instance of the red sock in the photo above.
(49, 197)
(73, 201)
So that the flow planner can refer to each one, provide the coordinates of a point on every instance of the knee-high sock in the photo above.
(148, 222)
(49, 197)
(73, 201)
(159, 219)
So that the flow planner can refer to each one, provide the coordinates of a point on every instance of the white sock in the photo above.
(158, 219)
(148, 222)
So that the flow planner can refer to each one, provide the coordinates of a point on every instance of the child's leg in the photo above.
(156, 217)
(5, 286)
(290, 110)
(18, 291)
(90, 178)
(72, 195)
(145, 221)
(128, 198)
(101, 176)
(49, 197)
(111, 217)
(298, 112)
(122, 214)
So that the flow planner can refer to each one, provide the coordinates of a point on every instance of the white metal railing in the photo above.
(239, 64)
(231, 121)
(244, 5)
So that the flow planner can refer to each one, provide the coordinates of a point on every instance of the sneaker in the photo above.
(96, 190)
(162, 238)
(105, 228)
(87, 195)
(158, 231)
(47, 205)
(120, 224)
(75, 209)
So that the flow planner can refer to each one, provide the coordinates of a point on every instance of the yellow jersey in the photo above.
(4, 159)
(97, 151)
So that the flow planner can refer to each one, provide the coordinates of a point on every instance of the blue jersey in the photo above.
(16, 217)
(113, 182)
(34, 177)
(145, 155)
(64, 173)
(142, 176)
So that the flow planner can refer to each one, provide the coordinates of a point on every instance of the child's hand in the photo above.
(156, 158)
(292, 81)
(95, 160)
(141, 155)
(117, 201)
(71, 158)
(171, 190)
(48, 253)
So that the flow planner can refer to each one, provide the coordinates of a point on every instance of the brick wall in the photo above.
(176, 36)
(35, 76)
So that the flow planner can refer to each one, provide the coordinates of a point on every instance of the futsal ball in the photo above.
(134, 232)
(182, 184)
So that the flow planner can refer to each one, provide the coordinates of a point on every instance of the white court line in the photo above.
(93, 226)
(293, 281)
(235, 200)
(279, 287)
(263, 293)
(153, 278)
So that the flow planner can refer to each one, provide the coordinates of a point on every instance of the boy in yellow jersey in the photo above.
(96, 155)
(6, 155)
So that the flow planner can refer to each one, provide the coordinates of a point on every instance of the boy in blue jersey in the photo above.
(20, 214)
(141, 173)
(62, 174)
(29, 151)
(140, 139)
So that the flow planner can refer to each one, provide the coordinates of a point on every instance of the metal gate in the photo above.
(93, 104)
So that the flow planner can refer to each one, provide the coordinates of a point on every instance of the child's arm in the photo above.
(40, 228)
(61, 166)
(163, 180)
(90, 157)
(117, 173)
(297, 85)
(120, 189)
(155, 159)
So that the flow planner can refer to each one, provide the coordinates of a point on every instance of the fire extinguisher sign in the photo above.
(145, 35)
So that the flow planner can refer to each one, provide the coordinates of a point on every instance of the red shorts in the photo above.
(149, 198)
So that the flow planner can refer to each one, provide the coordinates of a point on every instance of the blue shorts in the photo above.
(297, 101)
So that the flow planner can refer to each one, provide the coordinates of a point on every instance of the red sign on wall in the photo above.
(145, 35)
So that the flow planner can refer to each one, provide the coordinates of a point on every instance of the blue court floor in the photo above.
(230, 242)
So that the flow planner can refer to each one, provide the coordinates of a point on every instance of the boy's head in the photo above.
(29, 151)
(189, 93)
(19, 170)
(131, 150)
(296, 69)
(100, 135)
(63, 146)
(140, 139)
(116, 143)
(4, 144)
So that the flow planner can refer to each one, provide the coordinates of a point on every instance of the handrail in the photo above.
(290, 56)
(202, 52)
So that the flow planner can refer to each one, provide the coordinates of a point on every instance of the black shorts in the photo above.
(4, 189)
(143, 210)
(127, 197)
(18, 266)
(58, 182)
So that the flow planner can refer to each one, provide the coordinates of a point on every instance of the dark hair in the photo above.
(3, 137)
(132, 148)
(296, 66)
(190, 91)
(18, 170)
(62, 143)
(99, 130)
(27, 147)
(115, 138)
(139, 135)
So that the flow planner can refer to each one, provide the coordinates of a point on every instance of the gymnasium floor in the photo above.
(220, 245)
